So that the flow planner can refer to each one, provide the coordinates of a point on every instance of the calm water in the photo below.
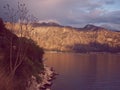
(85, 71)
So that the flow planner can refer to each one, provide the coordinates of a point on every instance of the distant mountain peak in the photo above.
(92, 27)
(45, 24)
(49, 23)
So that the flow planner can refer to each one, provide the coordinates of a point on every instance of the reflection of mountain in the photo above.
(52, 36)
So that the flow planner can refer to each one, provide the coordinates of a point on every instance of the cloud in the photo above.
(73, 12)
(110, 2)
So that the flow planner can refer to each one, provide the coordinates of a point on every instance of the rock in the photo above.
(48, 89)
(47, 76)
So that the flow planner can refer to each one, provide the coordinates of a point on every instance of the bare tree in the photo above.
(18, 54)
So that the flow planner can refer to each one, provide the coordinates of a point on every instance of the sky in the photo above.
(75, 13)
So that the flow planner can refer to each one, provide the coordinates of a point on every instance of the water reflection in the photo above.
(85, 71)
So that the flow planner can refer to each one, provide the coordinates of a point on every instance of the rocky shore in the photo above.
(47, 76)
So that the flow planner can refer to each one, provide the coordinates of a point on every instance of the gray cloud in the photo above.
(109, 2)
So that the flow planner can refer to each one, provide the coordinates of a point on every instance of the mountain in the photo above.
(92, 27)
(64, 38)
(45, 24)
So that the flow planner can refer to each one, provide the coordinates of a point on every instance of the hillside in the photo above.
(64, 38)
(17, 63)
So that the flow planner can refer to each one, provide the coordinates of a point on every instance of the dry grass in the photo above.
(5, 81)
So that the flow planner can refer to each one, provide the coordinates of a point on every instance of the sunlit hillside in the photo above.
(61, 38)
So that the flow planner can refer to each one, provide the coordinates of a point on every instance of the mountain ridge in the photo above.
(86, 27)
(86, 39)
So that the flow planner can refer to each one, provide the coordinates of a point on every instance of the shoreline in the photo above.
(47, 77)
(83, 53)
